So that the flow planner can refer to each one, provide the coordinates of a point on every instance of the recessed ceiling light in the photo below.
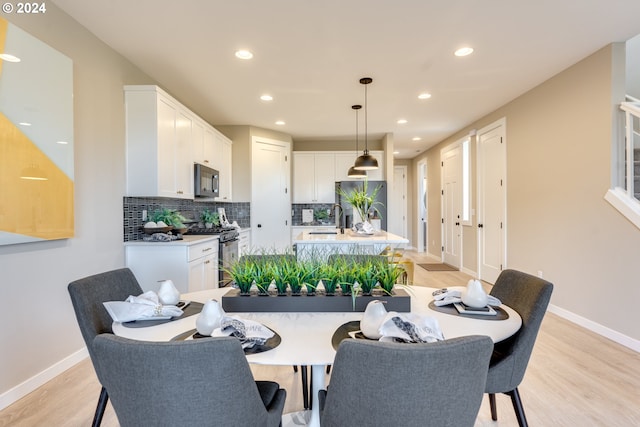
(62, 142)
(464, 51)
(396, 152)
(244, 54)
(266, 97)
(424, 95)
(280, 122)
(9, 58)
(416, 138)
(24, 124)
(402, 121)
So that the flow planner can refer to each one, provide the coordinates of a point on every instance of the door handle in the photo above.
(259, 225)
(457, 223)
(480, 225)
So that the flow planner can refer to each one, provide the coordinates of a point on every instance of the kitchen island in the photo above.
(322, 243)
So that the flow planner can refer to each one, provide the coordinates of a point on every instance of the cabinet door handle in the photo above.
(180, 192)
(207, 262)
(206, 249)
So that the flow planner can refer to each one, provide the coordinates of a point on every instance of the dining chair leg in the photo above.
(492, 405)
(102, 405)
(305, 387)
(517, 406)
(295, 368)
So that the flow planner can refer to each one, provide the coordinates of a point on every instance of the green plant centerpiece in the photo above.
(243, 272)
(362, 277)
(210, 218)
(362, 201)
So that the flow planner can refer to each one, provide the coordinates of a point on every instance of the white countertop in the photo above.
(350, 237)
(187, 240)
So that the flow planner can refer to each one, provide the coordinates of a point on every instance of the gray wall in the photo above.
(559, 143)
(39, 335)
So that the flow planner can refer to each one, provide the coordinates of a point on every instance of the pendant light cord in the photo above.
(366, 126)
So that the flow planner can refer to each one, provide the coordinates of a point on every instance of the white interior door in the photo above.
(270, 195)
(492, 211)
(452, 205)
(397, 202)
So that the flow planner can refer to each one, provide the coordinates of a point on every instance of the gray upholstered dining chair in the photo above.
(87, 296)
(202, 382)
(529, 296)
(396, 384)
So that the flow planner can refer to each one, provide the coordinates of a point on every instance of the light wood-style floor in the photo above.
(574, 378)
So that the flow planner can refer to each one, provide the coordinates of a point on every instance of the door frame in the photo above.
(255, 187)
(422, 208)
(502, 124)
(443, 224)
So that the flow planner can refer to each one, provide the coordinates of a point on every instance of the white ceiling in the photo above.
(310, 55)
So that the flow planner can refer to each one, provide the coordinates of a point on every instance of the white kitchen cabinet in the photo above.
(159, 144)
(344, 160)
(202, 150)
(244, 242)
(224, 148)
(313, 177)
(192, 264)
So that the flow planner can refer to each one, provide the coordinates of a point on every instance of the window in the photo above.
(625, 196)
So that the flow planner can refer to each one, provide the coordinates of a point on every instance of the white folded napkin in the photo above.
(410, 327)
(146, 306)
(249, 332)
(452, 296)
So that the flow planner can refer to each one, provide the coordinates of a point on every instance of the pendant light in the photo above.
(366, 162)
(353, 172)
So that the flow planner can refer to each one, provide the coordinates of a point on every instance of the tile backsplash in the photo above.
(296, 209)
(133, 207)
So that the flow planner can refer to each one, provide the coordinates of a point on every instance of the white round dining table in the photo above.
(306, 337)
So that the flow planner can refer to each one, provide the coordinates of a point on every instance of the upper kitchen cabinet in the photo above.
(222, 162)
(313, 177)
(344, 160)
(213, 149)
(159, 141)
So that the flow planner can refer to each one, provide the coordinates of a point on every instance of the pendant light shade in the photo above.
(353, 172)
(366, 161)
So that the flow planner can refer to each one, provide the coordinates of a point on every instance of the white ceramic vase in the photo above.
(474, 295)
(168, 294)
(210, 317)
(373, 316)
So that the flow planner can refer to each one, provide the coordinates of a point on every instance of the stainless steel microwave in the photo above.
(206, 181)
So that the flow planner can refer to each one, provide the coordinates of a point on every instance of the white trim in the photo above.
(422, 246)
(628, 207)
(18, 392)
(500, 123)
(457, 145)
(597, 328)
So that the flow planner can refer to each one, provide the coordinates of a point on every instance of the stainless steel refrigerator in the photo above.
(347, 209)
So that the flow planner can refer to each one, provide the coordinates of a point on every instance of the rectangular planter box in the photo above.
(232, 301)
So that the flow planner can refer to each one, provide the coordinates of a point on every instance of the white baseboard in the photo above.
(597, 328)
(471, 273)
(18, 392)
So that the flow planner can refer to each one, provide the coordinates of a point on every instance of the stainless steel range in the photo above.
(227, 249)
